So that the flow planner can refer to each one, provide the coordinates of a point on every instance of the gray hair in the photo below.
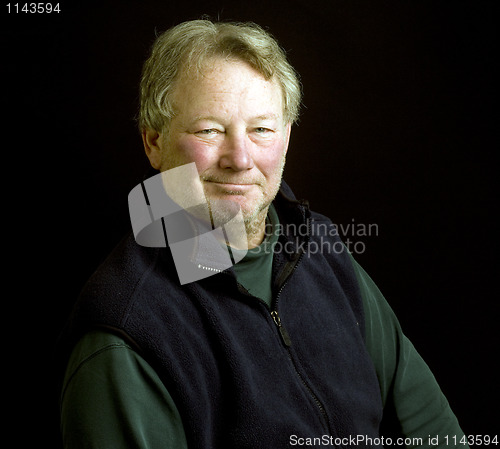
(186, 46)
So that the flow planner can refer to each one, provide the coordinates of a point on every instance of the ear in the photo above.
(288, 130)
(153, 147)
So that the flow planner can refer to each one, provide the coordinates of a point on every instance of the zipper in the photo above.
(285, 275)
(288, 343)
(285, 337)
(284, 334)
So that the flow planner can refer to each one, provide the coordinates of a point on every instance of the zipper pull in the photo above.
(283, 333)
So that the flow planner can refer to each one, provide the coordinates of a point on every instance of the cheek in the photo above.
(271, 160)
(189, 149)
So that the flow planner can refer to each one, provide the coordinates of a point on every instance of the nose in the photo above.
(235, 152)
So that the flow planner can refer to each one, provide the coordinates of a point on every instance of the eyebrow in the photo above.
(213, 118)
(267, 117)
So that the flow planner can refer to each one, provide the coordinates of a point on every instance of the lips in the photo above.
(241, 182)
(231, 187)
(231, 184)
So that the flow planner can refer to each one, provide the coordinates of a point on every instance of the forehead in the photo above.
(230, 86)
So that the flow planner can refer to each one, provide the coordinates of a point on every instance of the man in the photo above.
(287, 347)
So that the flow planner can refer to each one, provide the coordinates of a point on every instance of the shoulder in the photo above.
(122, 270)
(381, 322)
(103, 367)
(128, 273)
(97, 348)
(111, 293)
(373, 299)
(111, 396)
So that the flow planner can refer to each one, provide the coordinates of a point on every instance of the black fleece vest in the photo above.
(241, 375)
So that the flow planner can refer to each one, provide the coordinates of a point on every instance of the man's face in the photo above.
(230, 123)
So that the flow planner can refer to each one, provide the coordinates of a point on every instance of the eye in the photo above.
(207, 131)
(262, 130)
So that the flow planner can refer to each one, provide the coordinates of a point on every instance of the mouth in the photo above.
(231, 187)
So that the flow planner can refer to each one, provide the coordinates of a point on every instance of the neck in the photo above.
(256, 229)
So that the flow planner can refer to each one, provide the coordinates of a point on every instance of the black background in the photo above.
(396, 130)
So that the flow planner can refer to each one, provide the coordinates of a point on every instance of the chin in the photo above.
(224, 209)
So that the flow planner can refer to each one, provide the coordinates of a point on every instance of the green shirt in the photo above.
(255, 269)
(113, 398)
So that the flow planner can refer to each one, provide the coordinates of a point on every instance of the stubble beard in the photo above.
(222, 211)
(254, 219)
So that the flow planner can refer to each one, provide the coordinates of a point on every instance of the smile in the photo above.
(235, 187)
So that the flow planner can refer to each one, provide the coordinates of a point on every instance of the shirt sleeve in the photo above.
(415, 408)
(112, 398)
